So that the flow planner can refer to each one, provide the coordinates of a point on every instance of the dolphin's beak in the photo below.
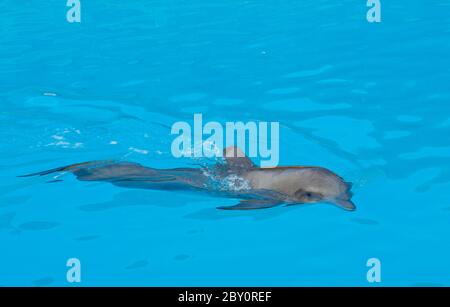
(345, 204)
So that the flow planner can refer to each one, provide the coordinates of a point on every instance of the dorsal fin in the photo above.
(236, 159)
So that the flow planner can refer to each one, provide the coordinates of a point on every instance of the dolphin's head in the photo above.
(318, 184)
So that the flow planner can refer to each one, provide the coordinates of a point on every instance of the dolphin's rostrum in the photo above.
(237, 177)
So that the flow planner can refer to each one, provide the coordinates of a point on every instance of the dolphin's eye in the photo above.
(307, 195)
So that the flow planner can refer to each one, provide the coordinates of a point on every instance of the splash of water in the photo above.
(235, 183)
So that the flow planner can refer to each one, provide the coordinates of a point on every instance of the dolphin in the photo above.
(237, 177)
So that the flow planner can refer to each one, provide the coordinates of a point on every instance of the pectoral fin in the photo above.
(252, 204)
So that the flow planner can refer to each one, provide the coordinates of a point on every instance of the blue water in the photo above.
(370, 101)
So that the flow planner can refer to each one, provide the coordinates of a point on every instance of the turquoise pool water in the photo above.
(371, 101)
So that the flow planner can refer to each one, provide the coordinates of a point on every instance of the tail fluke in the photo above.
(68, 168)
(108, 170)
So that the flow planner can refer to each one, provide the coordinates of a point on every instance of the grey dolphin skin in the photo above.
(257, 188)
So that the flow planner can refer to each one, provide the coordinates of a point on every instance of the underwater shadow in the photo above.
(213, 213)
(137, 198)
